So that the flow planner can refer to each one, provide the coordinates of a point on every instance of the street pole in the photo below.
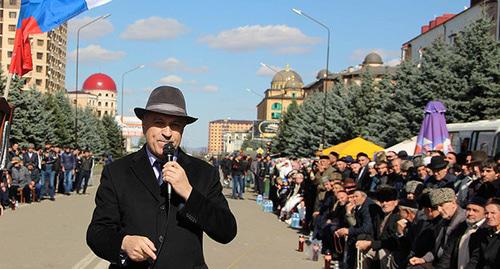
(325, 84)
(123, 83)
(76, 70)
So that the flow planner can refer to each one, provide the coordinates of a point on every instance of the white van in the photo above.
(478, 135)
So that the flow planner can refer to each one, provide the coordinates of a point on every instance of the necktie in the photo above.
(159, 166)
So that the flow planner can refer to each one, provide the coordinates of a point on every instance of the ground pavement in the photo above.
(52, 235)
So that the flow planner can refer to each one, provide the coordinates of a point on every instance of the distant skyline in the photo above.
(212, 50)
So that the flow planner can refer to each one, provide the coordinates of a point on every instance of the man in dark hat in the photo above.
(139, 221)
(440, 177)
(384, 244)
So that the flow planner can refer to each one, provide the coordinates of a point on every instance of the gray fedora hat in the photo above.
(168, 101)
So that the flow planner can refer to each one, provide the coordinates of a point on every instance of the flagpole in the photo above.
(7, 86)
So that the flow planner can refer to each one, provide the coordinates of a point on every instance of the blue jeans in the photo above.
(238, 182)
(68, 181)
(48, 174)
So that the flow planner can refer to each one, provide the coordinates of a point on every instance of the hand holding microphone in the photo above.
(174, 174)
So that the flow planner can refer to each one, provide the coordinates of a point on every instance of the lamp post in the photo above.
(284, 90)
(302, 13)
(123, 83)
(76, 68)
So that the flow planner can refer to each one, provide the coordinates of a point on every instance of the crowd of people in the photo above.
(31, 175)
(390, 211)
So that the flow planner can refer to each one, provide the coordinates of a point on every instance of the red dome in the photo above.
(99, 81)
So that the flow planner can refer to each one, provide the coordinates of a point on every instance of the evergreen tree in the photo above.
(478, 63)
(64, 120)
(88, 133)
(27, 124)
(115, 141)
(285, 133)
(339, 118)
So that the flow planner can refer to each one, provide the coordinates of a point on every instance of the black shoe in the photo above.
(52, 198)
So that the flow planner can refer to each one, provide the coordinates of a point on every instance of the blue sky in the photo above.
(212, 49)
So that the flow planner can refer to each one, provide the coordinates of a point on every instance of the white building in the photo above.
(448, 26)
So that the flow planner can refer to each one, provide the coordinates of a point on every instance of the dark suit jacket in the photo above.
(484, 247)
(130, 202)
(449, 259)
(33, 159)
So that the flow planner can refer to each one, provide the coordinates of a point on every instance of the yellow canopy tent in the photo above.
(353, 147)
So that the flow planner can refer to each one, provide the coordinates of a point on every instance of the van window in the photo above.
(455, 142)
(484, 141)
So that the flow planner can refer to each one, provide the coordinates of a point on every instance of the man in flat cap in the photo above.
(445, 201)
(139, 221)
(456, 252)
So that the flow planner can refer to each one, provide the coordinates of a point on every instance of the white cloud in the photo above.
(174, 65)
(210, 89)
(251, 37)
(94, 30)
(154, 28)
(292, 50)
(359, 54)
(95, 53)
(171, 80)
(265, 71)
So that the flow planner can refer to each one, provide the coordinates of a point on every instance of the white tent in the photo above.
(407, 145)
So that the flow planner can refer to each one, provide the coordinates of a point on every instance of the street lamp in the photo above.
(251, 91)
(302, 13)
(123, 83)
(76, 68)
(284, 90)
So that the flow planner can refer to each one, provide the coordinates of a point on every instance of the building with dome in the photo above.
(98, 93)
(286, 86)
(372, 63)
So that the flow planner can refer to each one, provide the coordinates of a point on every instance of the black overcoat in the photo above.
(130, 202)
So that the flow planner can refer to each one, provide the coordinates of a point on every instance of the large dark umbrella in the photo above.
(433, 133)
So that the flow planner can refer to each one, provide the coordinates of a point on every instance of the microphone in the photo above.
(168, 155)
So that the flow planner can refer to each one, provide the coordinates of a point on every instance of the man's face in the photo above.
(341, 166)
(396, 166)
(355, 167)
(474, 213)
(440, 173)
(15, 146)
(388, 206)
(161, 129)
(493, 215)
(333, 159)
(359, 199)
(451, 159)
(299, 178)
(324, 163)
(447, 210)
(488, 174)
(342, 197)
(382, 168)
(422, 172)
(31, 149)
(328, 186)
(363, 161)
(337, 187)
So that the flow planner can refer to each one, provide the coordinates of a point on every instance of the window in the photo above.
(276, 106)
(276, 115)
(38, 82)
(39, 42)
(106, 95)
(106, 104)
(39, 55)
(13, 2)
(9, 54)
(99, 104)
(12, 28)
(12, 14)
(483, 140)
(11, 41)
(39, 69)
